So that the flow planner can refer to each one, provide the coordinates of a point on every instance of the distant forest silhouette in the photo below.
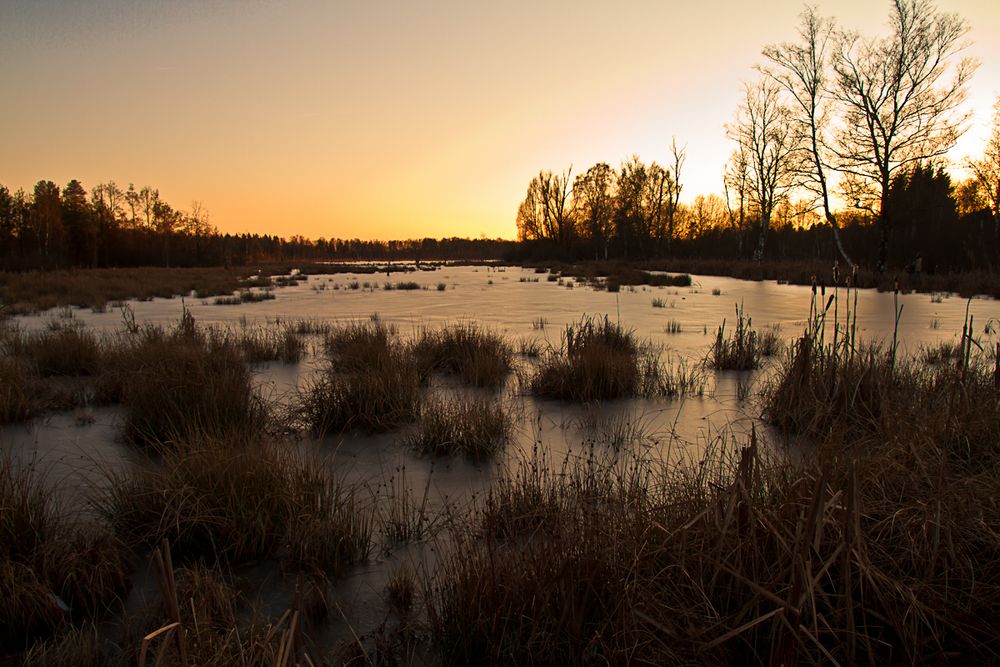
(53, 228)
(111, 226)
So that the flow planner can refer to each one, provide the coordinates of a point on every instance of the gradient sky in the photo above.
(382, 119)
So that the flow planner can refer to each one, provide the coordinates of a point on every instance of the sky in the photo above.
(381, 119)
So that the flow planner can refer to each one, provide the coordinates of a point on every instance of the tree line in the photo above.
(52, 227)
(833, 114)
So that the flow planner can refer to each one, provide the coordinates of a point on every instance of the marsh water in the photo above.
(522, 305)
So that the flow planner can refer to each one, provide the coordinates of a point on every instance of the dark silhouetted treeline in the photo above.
(625, 214)
(52, 227)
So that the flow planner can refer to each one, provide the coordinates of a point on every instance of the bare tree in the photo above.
(656, 203)
(706, 212)
(897, 107)
(678, 155)
(763, 132)
(986, 171)
(736, 185)
(545, 212)
(594, 202)
(800, 69)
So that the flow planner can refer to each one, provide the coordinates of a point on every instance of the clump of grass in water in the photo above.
(183, 383)
(477, 427)
(244, 296)
(598, 360)
(479, 356)
(236, 501)
(672, 327)
(261, 344)
(21, 391)
(659, 303)
(52, 569)
(744, 348)
(403, 285)
(372, 382)
(402, 516)
(58, 351)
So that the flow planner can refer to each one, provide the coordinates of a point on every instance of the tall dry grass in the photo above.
(184, 383)
(232, 502)
(479, 356)
(744, 348)
(601, 360)
(736, 558)
(55, 568)
(476, 427)
(371, 382)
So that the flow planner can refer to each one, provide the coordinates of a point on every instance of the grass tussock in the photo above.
(260, 344)
(21, 391)
(600, 360)
(476, 427)
(59, 351)
(372, 382)
(234, 502)
(743, 348)
(185, 383)
(478, 356)
(245, 296)
(869, 395)
(54, 570)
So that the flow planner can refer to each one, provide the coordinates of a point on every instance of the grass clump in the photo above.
(479, 356)
(184, 383)
(232, 502)
(21, 391)
(372, 382)
(869, 395)
(743, 349)
(53, 570)
(598, 360)
(261, 344)
(59, 351)
(476, 427)
(244, 296)
(406, 285)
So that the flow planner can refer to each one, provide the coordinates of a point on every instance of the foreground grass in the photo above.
(233, 501)
(53, 570)
(876, 548)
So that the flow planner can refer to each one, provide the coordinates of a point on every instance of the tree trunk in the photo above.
(883, 231)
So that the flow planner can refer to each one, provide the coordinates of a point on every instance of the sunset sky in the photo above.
(390, 119)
